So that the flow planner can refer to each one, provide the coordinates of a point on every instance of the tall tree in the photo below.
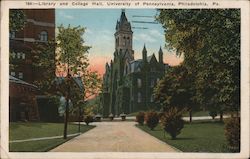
(176, 90)
(17, 20)
(210, 42)
(71, 52)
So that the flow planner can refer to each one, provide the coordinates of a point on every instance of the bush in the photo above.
(140, 118)
(88, 119)
(213, 113)
(152, 119)
(232, 133)
(172, 122)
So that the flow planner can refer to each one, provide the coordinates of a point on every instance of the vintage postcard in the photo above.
(124, 79)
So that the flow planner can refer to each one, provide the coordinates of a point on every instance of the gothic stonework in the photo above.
(128, 83)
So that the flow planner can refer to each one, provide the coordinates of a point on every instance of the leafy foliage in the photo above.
(88, 119)
(232, 133)
(140, 118)
(209, 39)
(176, 89)
(172, 122)
(152, 119)
(17, 20)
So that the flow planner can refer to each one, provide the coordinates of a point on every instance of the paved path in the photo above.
(114, 137)
(185, 118)
(42, 138)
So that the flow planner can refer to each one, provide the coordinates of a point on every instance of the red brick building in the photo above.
(38, 30)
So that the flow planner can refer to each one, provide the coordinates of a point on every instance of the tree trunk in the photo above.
(221, 116)
(190, 115)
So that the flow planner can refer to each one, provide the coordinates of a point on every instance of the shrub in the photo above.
(232, 133)
(140, 118)
(88, 119)
(123, 116)
(213, 113)
(152, 119)
(172, 122)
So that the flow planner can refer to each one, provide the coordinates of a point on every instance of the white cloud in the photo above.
(61, 13)
(156, 33)
(144, 37)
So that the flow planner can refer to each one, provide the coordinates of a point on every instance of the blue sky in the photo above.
(100, 28)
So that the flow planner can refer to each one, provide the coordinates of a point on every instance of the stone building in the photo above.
(128, 83)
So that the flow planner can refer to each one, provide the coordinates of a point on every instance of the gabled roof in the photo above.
(77, 80)
(150, 58)
(18, 81)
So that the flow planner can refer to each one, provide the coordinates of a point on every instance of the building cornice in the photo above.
(39, 23)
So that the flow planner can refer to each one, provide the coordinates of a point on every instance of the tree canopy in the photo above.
(17, 20)
(209, 39)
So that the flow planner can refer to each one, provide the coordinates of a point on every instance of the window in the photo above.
(18, 55)
(13, 55)
(44, 36)
(12, 73)
(23, 55)
(152, 83)
(139, 83)
(152, 98)
(20, 75)
(12, 35)
(139, 97)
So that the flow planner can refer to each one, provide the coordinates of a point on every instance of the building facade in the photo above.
(128, 83)
(38, 30)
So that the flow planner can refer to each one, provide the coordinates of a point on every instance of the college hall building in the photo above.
(128, 83)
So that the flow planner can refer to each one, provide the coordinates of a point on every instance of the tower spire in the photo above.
(160, 55)
(144, 53)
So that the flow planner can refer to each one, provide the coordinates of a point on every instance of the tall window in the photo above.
(152, 98)
(13, 55)
(12, 73)
(23, 55)
(152, 83)
(139, 83)
(44, 36)
(139, 97)
(12, 35)
(20, 75)
(18, 55)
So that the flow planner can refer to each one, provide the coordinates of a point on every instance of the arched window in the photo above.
(139, 83)
(139, 97)
(44, 36)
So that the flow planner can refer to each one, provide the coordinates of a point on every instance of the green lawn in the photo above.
(186, 114)
(197, 114)
(203, 136)
(20, 131)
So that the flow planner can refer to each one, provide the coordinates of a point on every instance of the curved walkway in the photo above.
(114, 137)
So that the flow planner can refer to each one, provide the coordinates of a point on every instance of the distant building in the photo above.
(39, 28)
(128, 83)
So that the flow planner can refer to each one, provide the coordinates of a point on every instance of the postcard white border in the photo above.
(243, 5)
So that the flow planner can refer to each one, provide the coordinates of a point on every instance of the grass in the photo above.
(19, 131)
(186, 114)
(197, 114)
(198, 136)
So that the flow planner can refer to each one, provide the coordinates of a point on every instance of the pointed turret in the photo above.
(144, 53)
(160, 55)
(124, 36)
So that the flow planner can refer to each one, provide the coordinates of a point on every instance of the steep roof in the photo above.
(18, 81)
(151, 57)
